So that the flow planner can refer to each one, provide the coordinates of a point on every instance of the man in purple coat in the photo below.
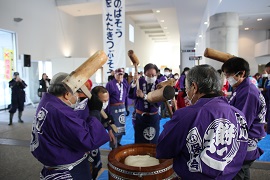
(247, 98)
(208, 139)
(117, 89)
(147, 119)
(61, 140)
(168, 73)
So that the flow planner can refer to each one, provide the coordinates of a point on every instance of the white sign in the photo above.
(114, 35)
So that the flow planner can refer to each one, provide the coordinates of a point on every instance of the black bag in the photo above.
(39, 92)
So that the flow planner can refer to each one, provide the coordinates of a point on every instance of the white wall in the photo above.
(185, 60)
(89, 36)
(246, 46)
(47, 33)
(147, 51)
(44, 30)
(142, 45)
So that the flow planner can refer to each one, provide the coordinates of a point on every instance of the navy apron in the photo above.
(146, 128)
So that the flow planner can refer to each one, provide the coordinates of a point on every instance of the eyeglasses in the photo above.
(119, 74)
(226, 74)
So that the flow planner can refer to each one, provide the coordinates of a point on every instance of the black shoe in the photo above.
(20, 121)
(118, 144)
(10, 124)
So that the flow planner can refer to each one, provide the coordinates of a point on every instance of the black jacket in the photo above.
(42, 83)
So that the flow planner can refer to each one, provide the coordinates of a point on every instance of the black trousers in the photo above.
(244, 173)
(16, 103)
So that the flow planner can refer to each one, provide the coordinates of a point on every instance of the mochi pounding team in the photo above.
(213, 138)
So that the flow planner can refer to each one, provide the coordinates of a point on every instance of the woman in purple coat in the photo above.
(247, 98)
(61, 140)
(207, 140)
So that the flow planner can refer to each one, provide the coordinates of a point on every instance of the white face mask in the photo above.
(73, 105)
(105, 104)
(166, 73)
(264, 75)
(231, 80)
(150, 80)
(176, 77)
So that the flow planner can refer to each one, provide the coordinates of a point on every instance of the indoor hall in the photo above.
(60, 35)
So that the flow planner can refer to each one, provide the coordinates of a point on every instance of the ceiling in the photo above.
(177, 20)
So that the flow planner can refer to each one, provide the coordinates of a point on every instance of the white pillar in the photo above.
(222, 34)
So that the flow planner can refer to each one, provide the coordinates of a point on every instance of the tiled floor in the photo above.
(17, 163)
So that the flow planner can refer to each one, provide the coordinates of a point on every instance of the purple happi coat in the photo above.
(117, 94)
(142, 104)
(60, 136)
(207, 140)
(146, 127)
(247, 98)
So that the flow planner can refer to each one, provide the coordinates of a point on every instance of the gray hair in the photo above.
(206, 77)
(57, 87)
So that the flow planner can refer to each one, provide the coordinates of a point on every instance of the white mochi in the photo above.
(141, 161)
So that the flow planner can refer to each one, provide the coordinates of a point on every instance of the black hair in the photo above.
(16, 74)
(236, 64)
(99, 89)
(150, 66)
(267, 65)
(185, 69)
(167, 69)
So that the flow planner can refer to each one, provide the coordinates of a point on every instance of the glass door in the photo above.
(8, 59)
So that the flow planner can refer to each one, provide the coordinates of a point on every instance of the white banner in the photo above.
(114, 35)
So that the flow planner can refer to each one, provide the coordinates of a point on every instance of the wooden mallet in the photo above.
(76, 79)
(170, 82)
(135, 62)
(162, 94)
(217, 55)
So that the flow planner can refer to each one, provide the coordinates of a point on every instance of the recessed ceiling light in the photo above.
(162, 21)
(200, 35)
(205, 23)
(197, 44)
(165, 28)
(259, 19)
(246, 28)
(194, 48)
(157, 11)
